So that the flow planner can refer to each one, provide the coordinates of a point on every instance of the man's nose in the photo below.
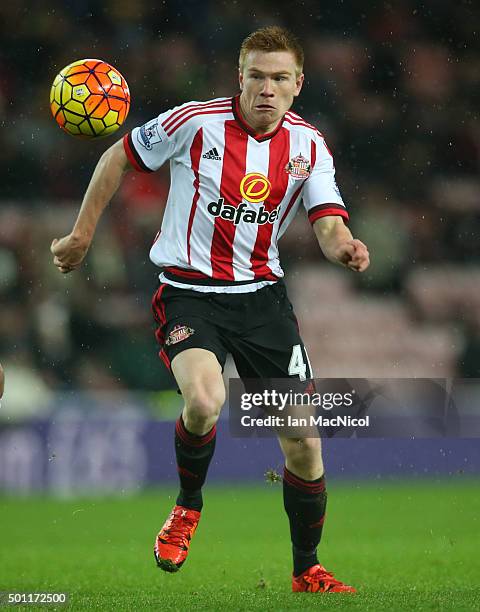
(267, 89)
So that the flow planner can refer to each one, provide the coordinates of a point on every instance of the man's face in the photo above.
(269, 84)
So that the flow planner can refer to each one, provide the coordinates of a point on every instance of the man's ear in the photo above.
(240, 79)
(299, 84)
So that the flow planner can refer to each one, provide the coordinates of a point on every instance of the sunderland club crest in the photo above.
(299, 167)
(179, 333)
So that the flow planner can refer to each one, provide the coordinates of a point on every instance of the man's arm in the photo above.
(338, 244)
(70, 250)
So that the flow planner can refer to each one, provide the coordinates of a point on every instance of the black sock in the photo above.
(194, 454)
(305, 502)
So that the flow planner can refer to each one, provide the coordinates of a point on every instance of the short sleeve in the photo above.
(321, 196)
(148, 147)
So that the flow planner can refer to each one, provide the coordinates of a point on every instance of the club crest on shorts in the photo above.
(179, 333)
(299, 167)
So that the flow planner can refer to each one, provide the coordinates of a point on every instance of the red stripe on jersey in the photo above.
(327, 210)
(206, 111)
(233, 170)
(313, 154)
(295, 117)
(293, 199)
(178, 114)
(185, 273)
(288, 119)
(278, 177)
(195, 152)
(298, 119)
(132, 155)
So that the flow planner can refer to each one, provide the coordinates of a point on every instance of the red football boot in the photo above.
(317, 580)
(173, 541)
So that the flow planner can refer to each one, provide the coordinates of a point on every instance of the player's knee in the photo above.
(303, 450)
(304, 458)
(204, 406)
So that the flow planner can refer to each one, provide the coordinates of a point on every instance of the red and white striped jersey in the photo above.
(233, 192)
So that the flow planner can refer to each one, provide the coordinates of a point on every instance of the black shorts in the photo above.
(258, 329)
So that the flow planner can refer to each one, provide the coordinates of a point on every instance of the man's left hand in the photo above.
(354, 255)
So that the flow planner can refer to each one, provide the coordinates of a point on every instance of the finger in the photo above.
(358, 243)
(54, 242)
(348, 249)
(365, 264)
(356, 263)
(359, 266)
(359, 257)
(361, 250)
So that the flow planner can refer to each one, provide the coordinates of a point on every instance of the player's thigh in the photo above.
(199, 377)
(271, 347)
(191, 347)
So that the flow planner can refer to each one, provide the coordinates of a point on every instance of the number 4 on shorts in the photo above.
(297, 365)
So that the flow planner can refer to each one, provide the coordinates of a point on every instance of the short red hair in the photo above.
(272, 38)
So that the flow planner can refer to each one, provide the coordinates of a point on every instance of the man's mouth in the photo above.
(265, 107)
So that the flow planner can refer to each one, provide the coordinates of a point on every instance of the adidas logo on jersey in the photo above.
(212, 154)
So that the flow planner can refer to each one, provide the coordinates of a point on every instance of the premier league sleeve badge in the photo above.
(148, 135)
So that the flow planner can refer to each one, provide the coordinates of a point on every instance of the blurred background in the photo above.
(394, 87)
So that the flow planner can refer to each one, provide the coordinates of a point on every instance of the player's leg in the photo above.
(194, 352)
(304, 498)
(273, 348)
(199, 378)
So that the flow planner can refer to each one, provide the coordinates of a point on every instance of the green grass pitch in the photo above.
(405, 546)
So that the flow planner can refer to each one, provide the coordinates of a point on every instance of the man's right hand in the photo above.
(68, 252)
